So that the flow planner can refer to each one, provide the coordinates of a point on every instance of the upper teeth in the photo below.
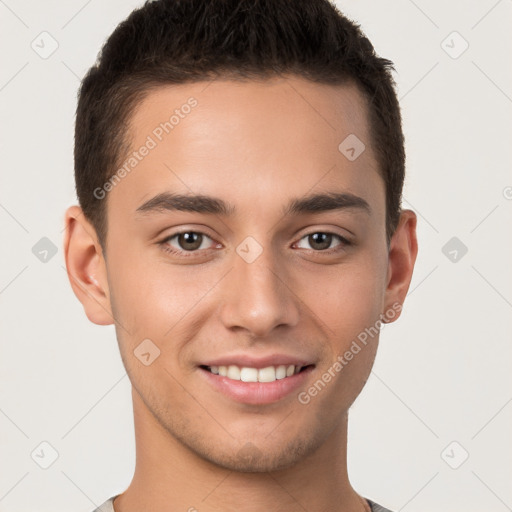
(246, 374)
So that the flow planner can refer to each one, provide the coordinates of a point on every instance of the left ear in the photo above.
(402, 256)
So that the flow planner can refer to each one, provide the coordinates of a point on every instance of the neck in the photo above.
(169, 477)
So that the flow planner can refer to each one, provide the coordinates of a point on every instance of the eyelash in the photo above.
(164, 244)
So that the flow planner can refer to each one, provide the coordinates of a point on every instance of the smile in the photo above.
(256, 386)
(248, 374)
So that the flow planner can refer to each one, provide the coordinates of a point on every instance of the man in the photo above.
(239, 167)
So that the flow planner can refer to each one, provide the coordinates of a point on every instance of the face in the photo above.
(244, 244)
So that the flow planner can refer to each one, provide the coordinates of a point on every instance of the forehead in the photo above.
(254, 138)
(263, 106)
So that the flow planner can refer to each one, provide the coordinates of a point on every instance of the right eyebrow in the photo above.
(167, 201)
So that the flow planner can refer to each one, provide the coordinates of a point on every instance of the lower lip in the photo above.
(257, 392)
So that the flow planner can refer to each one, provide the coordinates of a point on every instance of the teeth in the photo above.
(233, 372)
(267, 374)
(281, 372)
(246, 374)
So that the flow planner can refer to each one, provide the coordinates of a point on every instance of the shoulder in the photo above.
(107, 506)
(376, 507)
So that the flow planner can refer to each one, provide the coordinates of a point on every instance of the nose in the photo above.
(257, 297)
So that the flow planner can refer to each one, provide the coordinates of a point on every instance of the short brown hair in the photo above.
(180, 41)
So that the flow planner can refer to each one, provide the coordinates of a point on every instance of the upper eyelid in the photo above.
(172, 235)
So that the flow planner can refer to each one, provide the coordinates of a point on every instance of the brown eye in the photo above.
(187, 241)
(320, 241)
(190, 240)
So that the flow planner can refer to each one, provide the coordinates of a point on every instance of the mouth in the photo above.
(256, 386)
(250, 374)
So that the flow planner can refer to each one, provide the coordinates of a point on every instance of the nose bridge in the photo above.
(257, 299)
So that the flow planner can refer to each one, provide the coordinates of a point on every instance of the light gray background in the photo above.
(442, 372)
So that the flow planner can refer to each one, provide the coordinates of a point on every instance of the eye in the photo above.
(186, 241)
(321, 241)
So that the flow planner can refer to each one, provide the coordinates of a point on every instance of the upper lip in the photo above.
(242, 360)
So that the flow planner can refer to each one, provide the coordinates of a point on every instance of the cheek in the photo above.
(347, 298)
(156, 300)
(350, 307)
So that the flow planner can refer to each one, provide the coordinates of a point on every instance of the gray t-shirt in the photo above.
(108, 506)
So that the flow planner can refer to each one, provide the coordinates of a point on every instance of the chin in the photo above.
(253, 459)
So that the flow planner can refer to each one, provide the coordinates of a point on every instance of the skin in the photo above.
(255, 145)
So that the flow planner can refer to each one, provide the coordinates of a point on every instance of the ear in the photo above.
(402, 256)
(86, 267)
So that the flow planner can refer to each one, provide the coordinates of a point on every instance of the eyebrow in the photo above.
(315, 203)
(167, 201)
(327, 201)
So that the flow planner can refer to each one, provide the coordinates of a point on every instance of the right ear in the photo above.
(86, 268)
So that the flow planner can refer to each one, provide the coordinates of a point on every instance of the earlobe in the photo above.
(86, 267)
(402, 256)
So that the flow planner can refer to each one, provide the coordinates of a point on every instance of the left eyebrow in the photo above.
(316, 203)
(326, 202)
